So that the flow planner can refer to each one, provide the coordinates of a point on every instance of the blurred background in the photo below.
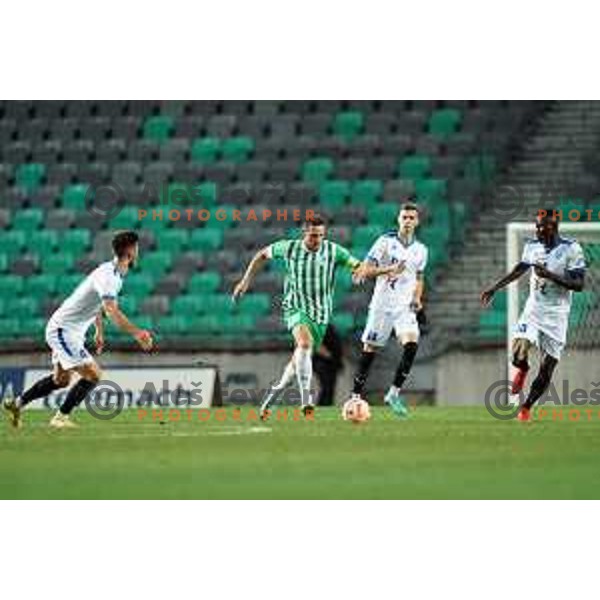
(471, 165)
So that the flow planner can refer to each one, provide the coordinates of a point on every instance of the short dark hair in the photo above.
(409, 206)
(314, 220)
(124, 240)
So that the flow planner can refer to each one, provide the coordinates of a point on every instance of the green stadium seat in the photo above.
(255, 304)
(21, 308)
(384, 215)
(29, 176)
(217, 304)
(43, 242)
(12, 243)
(75, 241)
(174, 325)
(444, 122)
(188, 305)
(206, 239)
(3, 263)
(33, 327)
(317, 170)
(127, 218)
(205, 150)
(239, 324)
(129, 304)
(11, 286)
(139, 285)
(480, 168)
(492, 323)
(173, 240)
(365, 236)
(206, 325)
(428, 190)
(158, 128)
(28, 220)
(237, 149)
(74, 196)
(208, 193)
(204, 283)
(156, 262)
(57, 264)
(41, 286)
(348, 124)
(219, 219)
(367, 191)
(333, 194)
(10, 328)
(415, 167)
(68, 283)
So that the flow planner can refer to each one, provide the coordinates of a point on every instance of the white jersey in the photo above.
(549, 304)
(394, 293)
(77, 313)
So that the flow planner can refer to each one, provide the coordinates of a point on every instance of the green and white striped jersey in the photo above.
(310, 276)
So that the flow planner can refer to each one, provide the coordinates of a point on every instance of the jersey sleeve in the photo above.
(278, 249)
(423, 261)
(377, 251)
(576, 258)
(106, 284)
(344, 258)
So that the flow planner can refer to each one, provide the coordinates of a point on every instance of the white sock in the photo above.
(394, 389)
(303, 364)
(286, 379)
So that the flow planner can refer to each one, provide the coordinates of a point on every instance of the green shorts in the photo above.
(317, 330)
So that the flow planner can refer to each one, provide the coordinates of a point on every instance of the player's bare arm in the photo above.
(256, 264)
(417, 302)
(114, 313)
(369, 270)
(99, 334)
(519, 270)
(573, 281)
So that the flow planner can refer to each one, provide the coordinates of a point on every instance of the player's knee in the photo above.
(409, 352)
(304, 344)
(92, 373)
(520, 363)
(62, 379)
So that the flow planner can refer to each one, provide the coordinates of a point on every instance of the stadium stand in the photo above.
(354, 161)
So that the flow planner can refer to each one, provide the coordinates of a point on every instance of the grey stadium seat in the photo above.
(111, 151)
(351, 168)
(59, 219)
(96, 128)
(125, 127)
(174, 150)
(61, 174)
(316, 124)
(398, 190)
(252, 171)
(221, 125)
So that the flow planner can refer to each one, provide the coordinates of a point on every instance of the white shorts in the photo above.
(537, 336)
(68, 349)
(381, 323)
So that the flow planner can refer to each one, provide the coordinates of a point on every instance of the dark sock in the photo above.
(541, 382)
(76, 395)
(408, 356)
(40, 389)
(360, 378)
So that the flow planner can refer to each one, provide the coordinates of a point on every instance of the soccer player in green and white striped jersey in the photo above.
(310, 266)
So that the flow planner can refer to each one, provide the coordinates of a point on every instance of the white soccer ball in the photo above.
(356, 410)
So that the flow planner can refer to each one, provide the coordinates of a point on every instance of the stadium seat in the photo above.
(206, 239)
(444, 122)
(57, 264)
(29, 176)
(367, 192)
(333, 194)
(348, 124)
(74, 196)
(28, 220)
(203, 283)
(317, 170)
(43, 242)
(158, 128)
(415, 167)
(41, 286)
(75, 241)
(12, 242)
(237, 149)
(205, 150)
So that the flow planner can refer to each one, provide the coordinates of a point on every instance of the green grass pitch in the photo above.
(436, 453)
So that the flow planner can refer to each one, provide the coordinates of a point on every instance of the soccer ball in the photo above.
(356, 410)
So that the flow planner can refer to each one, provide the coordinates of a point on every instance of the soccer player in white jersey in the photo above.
(396, 300)
(558, 271)
(66, 331)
